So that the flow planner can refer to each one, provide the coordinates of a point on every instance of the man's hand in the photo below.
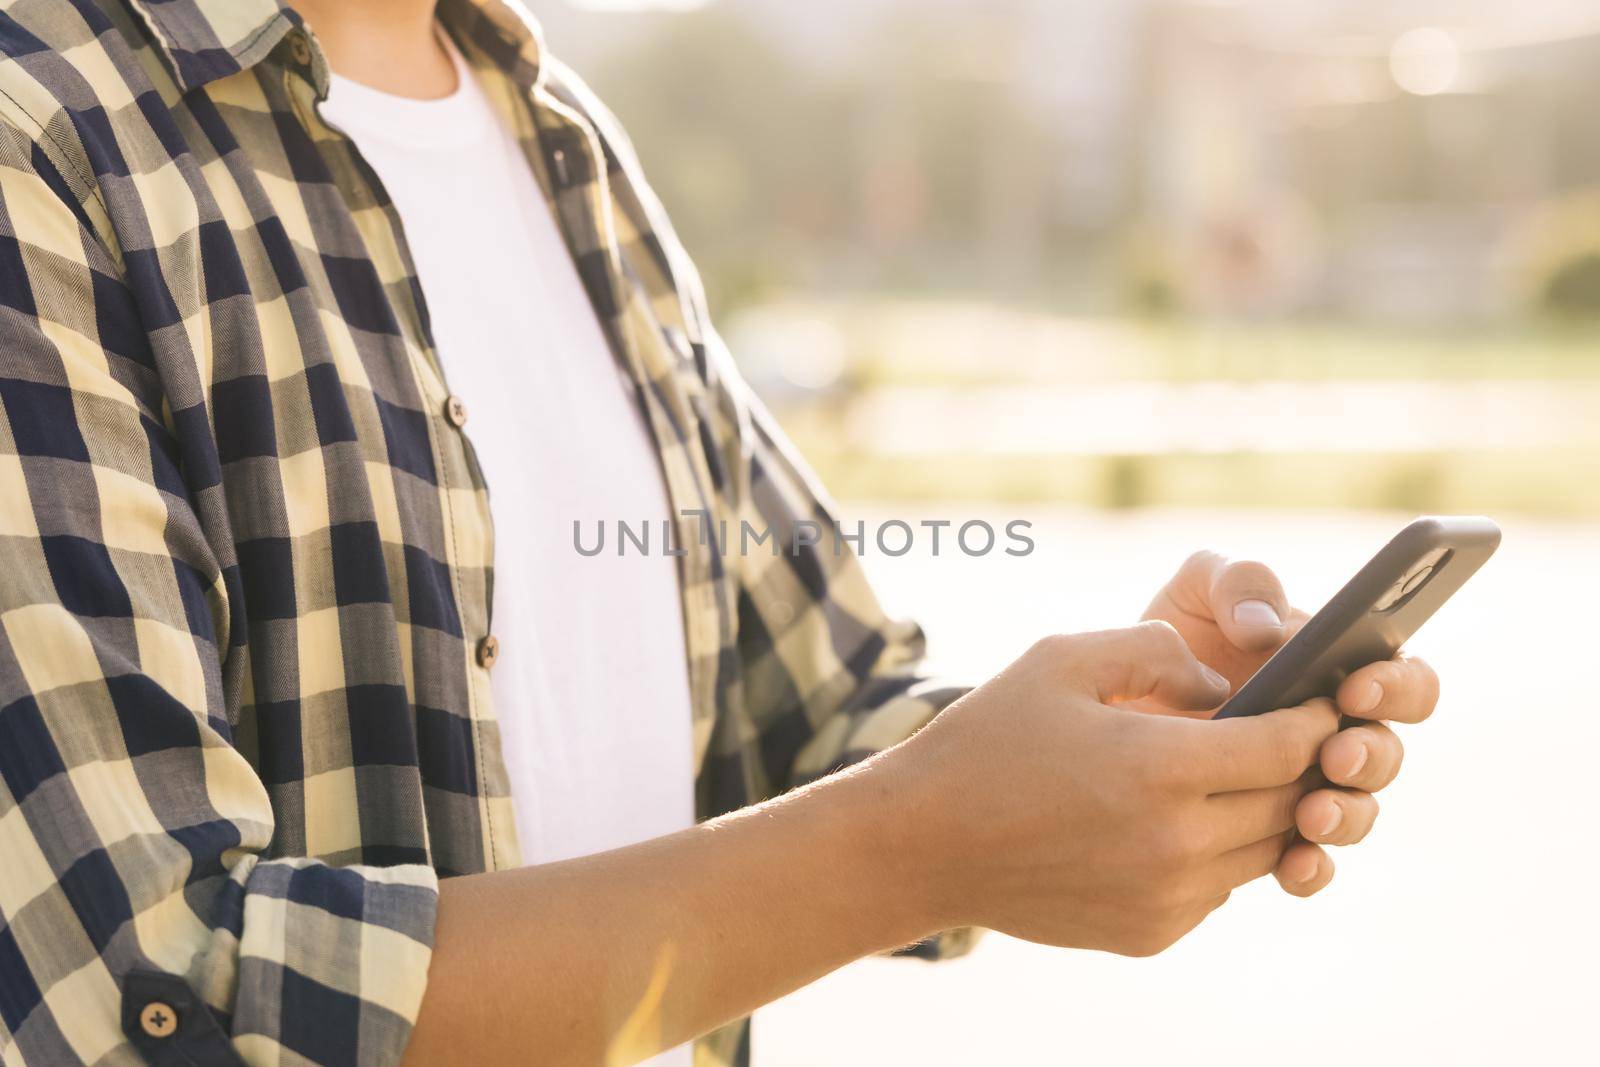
(1051, 813)
(1034, 805)
(1234, 616)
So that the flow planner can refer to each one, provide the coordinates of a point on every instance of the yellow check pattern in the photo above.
(245, 725)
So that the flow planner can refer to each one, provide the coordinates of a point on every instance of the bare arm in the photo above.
(610, 958)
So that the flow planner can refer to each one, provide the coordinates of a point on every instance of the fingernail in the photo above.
(1332, 822)
(1256, 613)
(1370, 699)
(1217, 681)
(1360, 762)
(1311, 872)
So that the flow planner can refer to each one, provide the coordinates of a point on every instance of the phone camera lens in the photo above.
(1414, 582)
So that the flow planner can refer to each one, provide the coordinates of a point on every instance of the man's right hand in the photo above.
(1054, 815)
(1033, 805)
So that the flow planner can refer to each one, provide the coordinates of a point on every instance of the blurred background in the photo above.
(1131, 253)
(1268, 277)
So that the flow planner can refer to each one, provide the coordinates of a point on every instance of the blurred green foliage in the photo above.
(1559, 250)
(1573, 290)
(1551, 482)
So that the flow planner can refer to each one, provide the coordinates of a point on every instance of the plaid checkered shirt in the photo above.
(245, 715)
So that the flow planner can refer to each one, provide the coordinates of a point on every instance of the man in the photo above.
(270, 789)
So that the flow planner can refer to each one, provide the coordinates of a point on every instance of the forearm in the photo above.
(610, 958)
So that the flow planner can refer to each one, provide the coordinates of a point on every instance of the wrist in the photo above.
(891, 821)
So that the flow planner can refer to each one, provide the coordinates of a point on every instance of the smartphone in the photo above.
(1373, 615)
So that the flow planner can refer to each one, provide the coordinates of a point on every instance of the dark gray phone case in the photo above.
(1373, 615)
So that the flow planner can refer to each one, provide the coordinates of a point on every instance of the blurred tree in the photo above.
(1558, 251)
(1573, 290)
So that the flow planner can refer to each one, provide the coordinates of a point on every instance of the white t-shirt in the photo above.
(591, 686)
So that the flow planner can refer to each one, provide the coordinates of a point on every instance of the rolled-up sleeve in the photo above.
(838, 679)
(138, 909)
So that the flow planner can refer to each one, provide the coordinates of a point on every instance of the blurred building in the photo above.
(1295, 171)
(1353, 158)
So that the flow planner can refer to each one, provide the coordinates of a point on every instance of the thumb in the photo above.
(1244, 598)
(1148, 660)
(1249, 604)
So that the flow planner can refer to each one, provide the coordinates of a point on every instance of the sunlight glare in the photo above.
(1425, 61)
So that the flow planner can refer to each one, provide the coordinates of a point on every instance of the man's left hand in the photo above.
(1234, 615)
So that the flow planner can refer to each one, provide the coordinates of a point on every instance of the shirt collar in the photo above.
(503, 30)
(203, 40)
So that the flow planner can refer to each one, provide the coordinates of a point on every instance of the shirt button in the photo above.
(456, 412)
(488, 651)
(300, 48)
(158, 1019)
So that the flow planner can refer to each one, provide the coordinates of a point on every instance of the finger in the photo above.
(1249, 604)
(1256, 752)
(1147, 660)
(1336, 816)
(1295, 622)
(1304, 869)
(1246, 863)
(1366, 757)
(1403, 689)
(1249, 816)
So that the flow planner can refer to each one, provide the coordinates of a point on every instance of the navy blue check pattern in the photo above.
(244, 725)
